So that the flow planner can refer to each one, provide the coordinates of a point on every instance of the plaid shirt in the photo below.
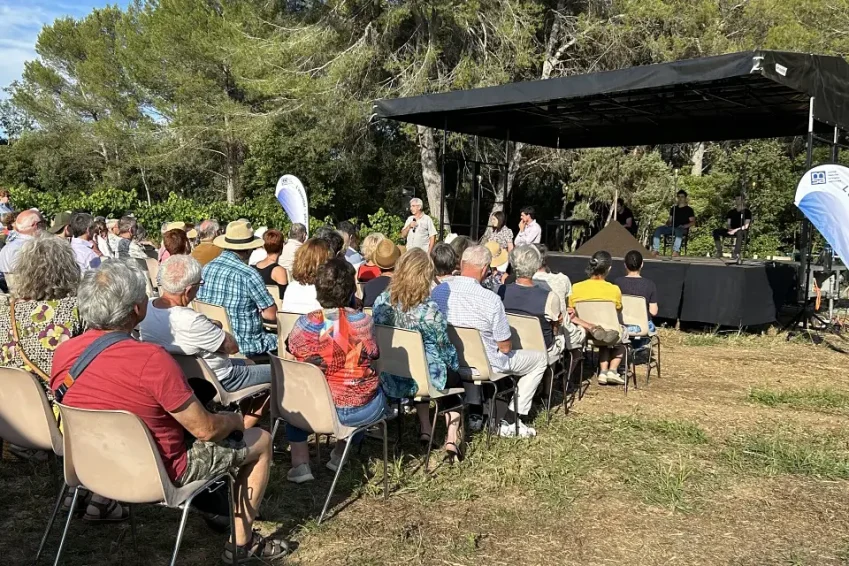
(241, 291)
(465, 303)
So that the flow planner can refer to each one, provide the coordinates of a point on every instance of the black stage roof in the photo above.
(754, 94)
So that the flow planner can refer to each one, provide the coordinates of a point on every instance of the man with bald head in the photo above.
(28, 224)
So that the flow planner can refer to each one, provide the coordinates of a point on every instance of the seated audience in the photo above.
(100, 238)
(463, 301)
(174, 242)
(297, 237)
(229, 282)
(126, 246)
(385, 257)
(340, 341)
(350, 236)
(557, 282)
(301, 294)
(407, 304)
(333, 239)
(269, 268)
(258, 254)
(368, 270)
(496, 274)
(28, 224)
(181, 330)
(460, 243)
(59, 226)
(82, 236)
(444, 262)
(597, 289)
(206, 251)
(5, 204)
(637, 285)
(144, 379)
(162, 253)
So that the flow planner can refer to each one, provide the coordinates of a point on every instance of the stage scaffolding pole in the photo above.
(442, 184)
(805, 236)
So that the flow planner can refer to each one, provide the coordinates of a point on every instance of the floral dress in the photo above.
(503, 236)
(426, 319)
(41, 326)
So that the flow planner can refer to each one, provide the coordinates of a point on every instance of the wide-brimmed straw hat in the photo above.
(499, 254)
(174, 226)
(386, 254)
(239, 235)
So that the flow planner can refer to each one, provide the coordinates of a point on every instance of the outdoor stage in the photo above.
(703, 290)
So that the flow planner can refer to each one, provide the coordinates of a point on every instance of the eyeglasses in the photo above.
(199, 284)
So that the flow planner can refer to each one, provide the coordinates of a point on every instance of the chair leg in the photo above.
(399, 425)
(181, 530)
(336, 478)
(385, 460)
(231, 485)
(516, 403)
(432, 432)
(133, 531)
(56, 507)
(658, 358)
(274, 430)
(627, 377)
(67, 526)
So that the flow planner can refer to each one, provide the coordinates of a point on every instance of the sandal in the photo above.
(109, 512)
(451, 455)
(82, 501)
(263, 548)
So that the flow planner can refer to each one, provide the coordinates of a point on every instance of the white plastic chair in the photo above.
(604, 314)
(196, 368)
(635, 312)
(216, 312)
(285, 323)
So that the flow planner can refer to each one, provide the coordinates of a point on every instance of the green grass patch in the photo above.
(820, 400)
(677, 431)
(823, 456)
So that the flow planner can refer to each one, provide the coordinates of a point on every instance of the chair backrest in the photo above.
(402, 353)
(196, 368)
(285, 323)
(153, 271)
(470, 349)
(274, 291)
(369, 310)
(635, 313)
(526, 333)
(359, 289)
(214, 312)
(602, 313)
(112, 454)
(301, 397)
(26, 418)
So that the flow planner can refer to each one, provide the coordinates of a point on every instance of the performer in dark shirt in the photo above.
(736, 223)
(625, 217)
(681, 219)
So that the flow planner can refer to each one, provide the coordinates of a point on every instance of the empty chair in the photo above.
(301, 397)
(196, 368)
(635, 313)
(604, 314)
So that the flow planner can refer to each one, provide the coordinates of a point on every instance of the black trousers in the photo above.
(721, 233)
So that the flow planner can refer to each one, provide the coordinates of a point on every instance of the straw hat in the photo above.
(192, 234)
(239, 235)
(174, 226)
(386, 254)
(499, 254)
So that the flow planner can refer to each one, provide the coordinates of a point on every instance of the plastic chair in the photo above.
(112, 453)
(301, 397)
(216, 312)
(475, 368)
(196, 368)
(285, 323)
(635, 312)
(274, 291)
(153, 271)
(27, 420)
(402, 353)
(604, 314)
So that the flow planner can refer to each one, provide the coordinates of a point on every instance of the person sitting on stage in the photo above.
(597, 289)
(498, 232)
(736, 222)
(529, 231)
(625, 217)
(639, 286)
(681, 219)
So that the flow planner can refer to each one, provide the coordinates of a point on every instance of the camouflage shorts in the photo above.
(206, 460)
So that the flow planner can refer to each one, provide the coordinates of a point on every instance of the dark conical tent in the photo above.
(613, 239)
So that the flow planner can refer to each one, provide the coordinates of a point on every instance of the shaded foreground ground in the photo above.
(739, 455)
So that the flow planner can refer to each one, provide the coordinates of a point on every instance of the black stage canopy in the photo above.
(753, 94)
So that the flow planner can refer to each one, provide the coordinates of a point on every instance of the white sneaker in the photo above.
(475, 423)
(615, 378)
(509, 430)
(602, 378)
(526, 431)
(335, 461)
(300, 474)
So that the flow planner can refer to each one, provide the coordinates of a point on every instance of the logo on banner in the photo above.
(818, 177)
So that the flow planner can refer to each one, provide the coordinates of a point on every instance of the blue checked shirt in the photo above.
(238, 288)
(465, 303)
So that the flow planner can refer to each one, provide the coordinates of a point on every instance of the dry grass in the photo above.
(738, 455)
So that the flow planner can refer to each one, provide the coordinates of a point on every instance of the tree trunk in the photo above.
(698, 160)
(231, 165)
(431, 173)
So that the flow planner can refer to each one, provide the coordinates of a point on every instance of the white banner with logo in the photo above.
(292, 197)
(823, 196)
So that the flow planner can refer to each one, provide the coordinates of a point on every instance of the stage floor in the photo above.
(705, 290)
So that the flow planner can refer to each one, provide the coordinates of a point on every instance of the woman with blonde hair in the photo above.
(300, 296)
(407, 304)
(368, 270)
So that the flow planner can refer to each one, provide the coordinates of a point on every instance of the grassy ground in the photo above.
(739, 455)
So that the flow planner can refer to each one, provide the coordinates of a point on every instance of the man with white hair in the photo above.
(206, 251)
(419, 229)
(297, 237)
(464, 302)
(143, 379)
(29, 223)
(180, 330)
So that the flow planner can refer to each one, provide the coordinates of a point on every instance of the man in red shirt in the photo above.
(143, 379)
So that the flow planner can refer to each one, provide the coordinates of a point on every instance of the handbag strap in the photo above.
(32, 367)
(89, 354)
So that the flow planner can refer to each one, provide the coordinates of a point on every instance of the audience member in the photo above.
(229, 282)
(368, 270)
(557, 282)
(82, 236)
(181, 330)
(271, 271)
(127, 246)
(174, 242)
(206, 251)
(333, 239)
(495, 275)
(460, 244)
(637, 285)
(28, 224)
(340, 341)
(385, 257)
(351, 238)
(498, 232)
(301, 296)
(464, 302)
(59, 226)
(100, 238)
(112, 236)
(162, 253)
(444, 262)
(418, 228)
(5, 204)
(529, 231)
(407, 304)
(297, 237)
(597, 289)
(143, 379)
(258, 254)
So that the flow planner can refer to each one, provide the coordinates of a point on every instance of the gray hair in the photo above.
(208, 229)
(107, 295)
(51, 273)
(128, 224)
(298, 232)
(178, 272)
(416, 201)
(478, 256)
(526, 260)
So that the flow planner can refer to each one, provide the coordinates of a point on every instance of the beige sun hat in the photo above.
(499, 254)
(174, 226)
(239, 235)
(386, 254)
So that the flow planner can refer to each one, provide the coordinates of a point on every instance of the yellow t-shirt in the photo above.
(595, 290)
